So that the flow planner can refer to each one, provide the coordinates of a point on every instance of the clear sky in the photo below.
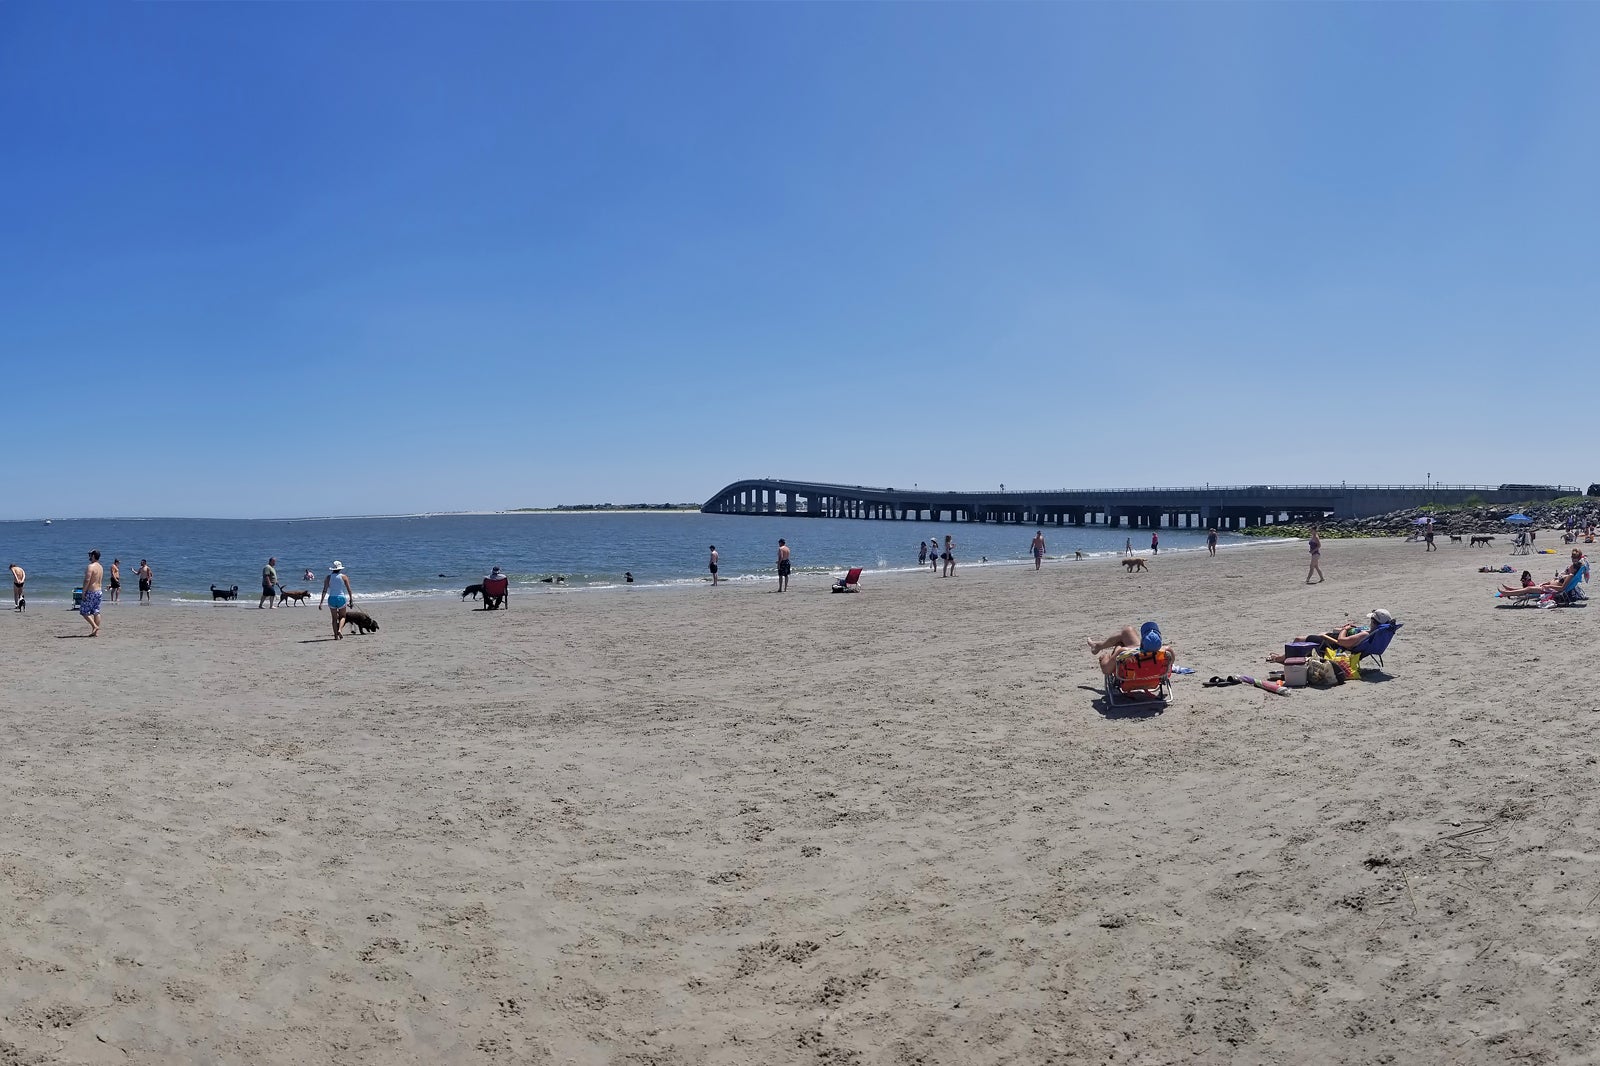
(291, 259)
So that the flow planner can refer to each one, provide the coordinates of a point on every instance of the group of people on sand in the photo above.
(1148, 638)
(1529, 587)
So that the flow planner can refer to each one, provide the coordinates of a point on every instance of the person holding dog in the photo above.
(19, 577)
(338, 597)
(269, 584)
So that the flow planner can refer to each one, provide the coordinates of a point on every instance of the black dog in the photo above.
(1485, 541)
(1453, 538)
(224, 594)
(472, 590)
(362, 621)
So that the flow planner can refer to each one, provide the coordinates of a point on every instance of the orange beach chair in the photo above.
(1140, 677)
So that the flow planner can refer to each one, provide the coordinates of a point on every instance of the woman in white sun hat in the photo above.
(339, 599)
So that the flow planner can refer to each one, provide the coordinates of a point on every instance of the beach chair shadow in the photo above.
(1134, 710)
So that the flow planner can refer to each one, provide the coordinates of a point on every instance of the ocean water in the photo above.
(440, 554)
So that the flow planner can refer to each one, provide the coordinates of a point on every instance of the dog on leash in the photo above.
(301, 597)
(472, 590)
(1135, 564)
(224, 594)
(361, 621)
(1481, 541)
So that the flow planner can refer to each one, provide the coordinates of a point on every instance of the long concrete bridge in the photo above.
(1221, 506)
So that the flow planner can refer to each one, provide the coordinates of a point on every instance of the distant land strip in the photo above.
(609, 507)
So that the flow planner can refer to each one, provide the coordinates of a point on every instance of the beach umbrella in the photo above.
(1421, 521)
(1519, 519)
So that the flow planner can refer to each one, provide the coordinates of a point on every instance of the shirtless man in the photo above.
(146, 576)
(1038, 549)
(116, 580)
(783, 565)
(90, 607)
(713, 565)
(19, 577)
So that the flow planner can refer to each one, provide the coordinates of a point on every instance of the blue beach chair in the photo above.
(1377, 642)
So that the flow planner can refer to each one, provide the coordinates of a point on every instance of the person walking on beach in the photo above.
(1155, 544)
(116, 580)
(339, 597)
(1427, 535)
(922, 553)
(949, 555)
(146, 578)
(933, 553)
(1127, 546)
(1211, 541)
(89, 608)
(269, 584)
(783, 565)
(714, 566)
(1038, 549)
(1316, 557)
(19, 577)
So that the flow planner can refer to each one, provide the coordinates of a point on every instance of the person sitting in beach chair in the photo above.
(1371, 639)
(1137, 665)
(1520, 544)
(851, 582)
(496, 591)
(1564, 591)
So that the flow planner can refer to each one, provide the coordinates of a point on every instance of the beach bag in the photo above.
(1345, 665)
(1320, 673)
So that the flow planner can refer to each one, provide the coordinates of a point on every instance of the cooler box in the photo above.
(1301, 649)
(77, 597)
(1294, 672)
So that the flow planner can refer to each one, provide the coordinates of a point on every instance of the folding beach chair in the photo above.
(1521, 545)
(1377, 641)
(1141, 677)
(497, 594)
(851, 582)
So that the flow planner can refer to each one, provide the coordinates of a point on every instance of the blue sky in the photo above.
(305, 259)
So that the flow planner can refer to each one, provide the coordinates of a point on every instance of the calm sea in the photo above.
(439, 554)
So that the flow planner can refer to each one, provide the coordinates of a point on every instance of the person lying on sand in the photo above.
(1146, 638)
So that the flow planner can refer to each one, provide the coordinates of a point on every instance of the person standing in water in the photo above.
(783, 565)
(713, 566)
(339, 596)
(1316, 557)
(1038, 549)
(933, 554)
(922, 553)
(949, 555)
(116, 580)
(146, 579)
(1211, 541)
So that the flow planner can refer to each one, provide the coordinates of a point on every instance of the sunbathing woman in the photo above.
(1347, 636)
(1549, 587)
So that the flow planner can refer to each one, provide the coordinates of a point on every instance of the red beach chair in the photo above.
(851, 582)
(497, 594)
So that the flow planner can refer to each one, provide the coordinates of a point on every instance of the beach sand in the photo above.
(728, 826)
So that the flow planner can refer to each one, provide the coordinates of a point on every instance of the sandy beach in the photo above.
(728, 826)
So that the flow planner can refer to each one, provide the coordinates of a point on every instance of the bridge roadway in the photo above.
(1223, 507)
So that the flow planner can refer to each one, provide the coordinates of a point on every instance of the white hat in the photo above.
(1380, 617)
(336, 567)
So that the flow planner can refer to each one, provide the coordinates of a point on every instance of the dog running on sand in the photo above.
(301, 597)
(1481, 540)
(1135, 564)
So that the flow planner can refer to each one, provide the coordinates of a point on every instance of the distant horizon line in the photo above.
(671, 508)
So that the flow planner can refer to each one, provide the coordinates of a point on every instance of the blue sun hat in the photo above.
(1149, 637)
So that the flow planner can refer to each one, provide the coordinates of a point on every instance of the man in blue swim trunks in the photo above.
(93, 574)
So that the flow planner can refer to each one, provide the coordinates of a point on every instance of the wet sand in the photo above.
(728, 826)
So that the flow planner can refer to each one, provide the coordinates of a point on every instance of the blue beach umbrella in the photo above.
(1519, 519)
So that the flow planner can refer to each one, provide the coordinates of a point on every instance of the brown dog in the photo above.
(1135, 564)
(300, 597)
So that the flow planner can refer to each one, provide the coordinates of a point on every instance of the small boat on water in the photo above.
(47, 521)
